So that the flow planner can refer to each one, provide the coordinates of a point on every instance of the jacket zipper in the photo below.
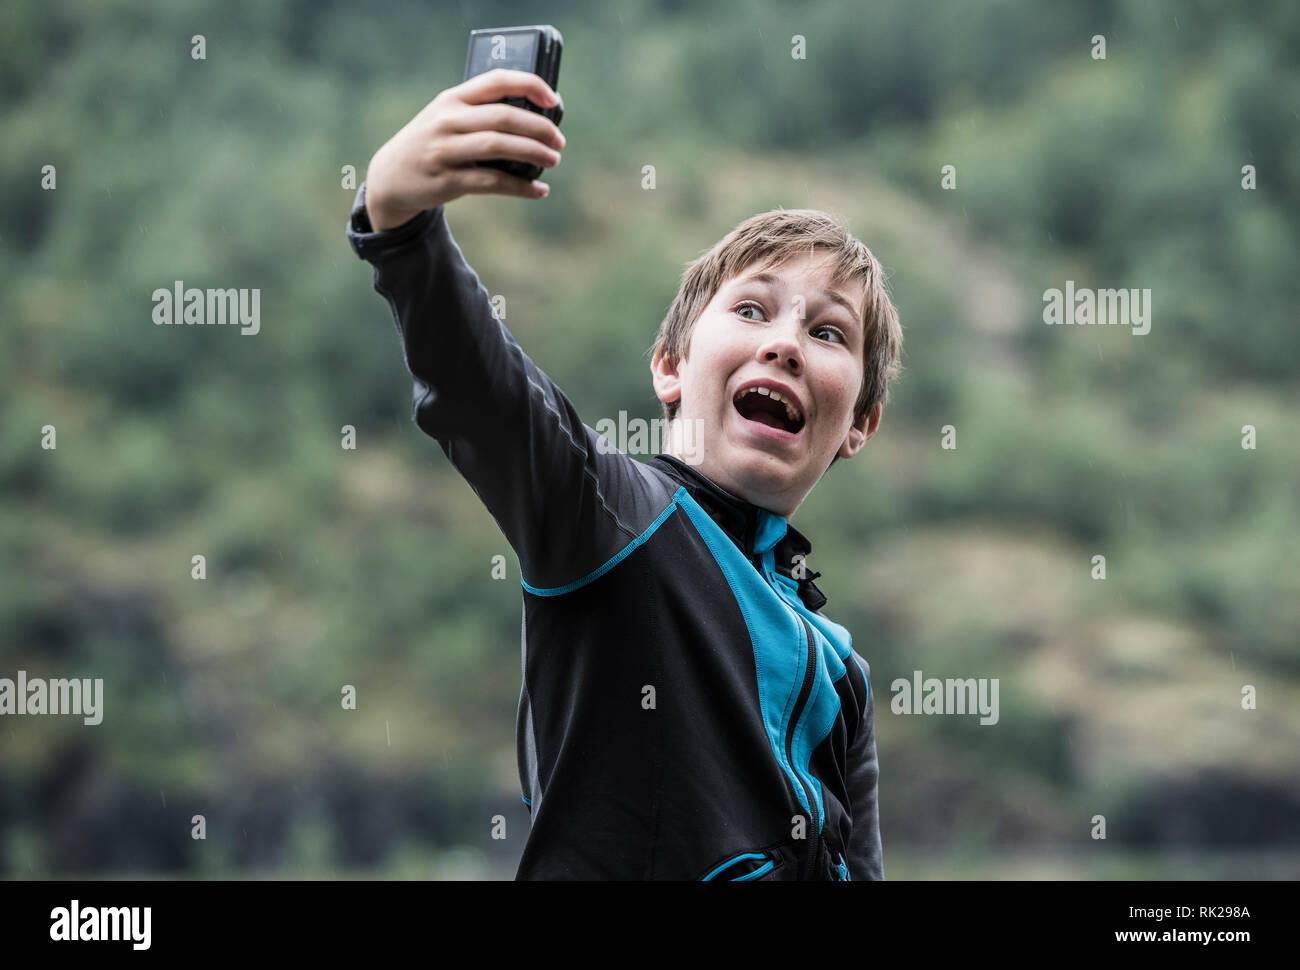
(810, 668)
(804, 691)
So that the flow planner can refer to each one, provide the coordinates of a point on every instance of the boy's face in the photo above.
(764, 451)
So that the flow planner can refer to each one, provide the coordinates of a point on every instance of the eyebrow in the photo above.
(832, 296)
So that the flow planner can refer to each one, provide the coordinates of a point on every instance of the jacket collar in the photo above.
(754, 530)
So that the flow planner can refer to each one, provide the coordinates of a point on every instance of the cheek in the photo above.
(838, 395)
(712, 362)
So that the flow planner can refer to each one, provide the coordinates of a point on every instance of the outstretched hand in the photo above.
(431, 161)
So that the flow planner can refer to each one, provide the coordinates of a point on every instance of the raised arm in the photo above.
(564, 506)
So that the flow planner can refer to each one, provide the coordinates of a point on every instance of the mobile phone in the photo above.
(535, 49)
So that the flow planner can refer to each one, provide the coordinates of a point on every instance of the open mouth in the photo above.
(768, 406)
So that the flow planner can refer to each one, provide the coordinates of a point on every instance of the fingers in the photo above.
(502, 82)
(507, 118)
(469, 123)
(476, 145)
(493, 181)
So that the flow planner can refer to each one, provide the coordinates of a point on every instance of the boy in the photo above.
(686, 712)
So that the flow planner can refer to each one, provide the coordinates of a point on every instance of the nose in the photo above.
(781, 346)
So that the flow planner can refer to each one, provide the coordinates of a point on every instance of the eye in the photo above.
(750, 306)
(836, 335)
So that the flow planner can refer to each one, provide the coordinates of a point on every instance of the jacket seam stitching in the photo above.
(580, 450)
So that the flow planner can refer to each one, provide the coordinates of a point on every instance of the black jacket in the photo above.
(686, 711)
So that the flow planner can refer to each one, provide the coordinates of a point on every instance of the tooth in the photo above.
(764, 391)
(775, 396)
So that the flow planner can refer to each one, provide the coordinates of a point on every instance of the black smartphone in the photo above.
(535, 49)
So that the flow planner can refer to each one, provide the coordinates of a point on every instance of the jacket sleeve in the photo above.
(565, 500)
(864, 856)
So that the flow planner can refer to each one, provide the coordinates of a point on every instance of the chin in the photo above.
(762, 473)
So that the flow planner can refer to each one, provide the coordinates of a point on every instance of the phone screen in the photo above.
(515, 51)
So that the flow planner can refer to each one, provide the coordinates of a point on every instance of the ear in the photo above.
(860, 431)
(667, 378)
